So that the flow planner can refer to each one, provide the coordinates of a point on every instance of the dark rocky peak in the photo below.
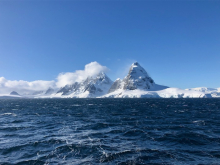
(14, 93)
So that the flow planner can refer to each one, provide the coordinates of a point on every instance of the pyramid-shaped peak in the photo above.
(137, 70)
(14, 93)
(137, 78)
(136, 63)
(103, 77)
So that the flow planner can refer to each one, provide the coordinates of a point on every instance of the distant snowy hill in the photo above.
(14, 93)
(214, 92)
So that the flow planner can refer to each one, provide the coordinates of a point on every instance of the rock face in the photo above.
(118, 84)
(14, 93)
(91, 87)
(137, 78)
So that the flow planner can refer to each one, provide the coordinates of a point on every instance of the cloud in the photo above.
(26, 87)
(21, 86)
(91, 69)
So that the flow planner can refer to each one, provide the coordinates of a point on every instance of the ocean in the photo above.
(109, 131)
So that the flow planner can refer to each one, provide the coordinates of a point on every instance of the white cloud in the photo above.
(91, 69)
(21, 86)
(26, 87)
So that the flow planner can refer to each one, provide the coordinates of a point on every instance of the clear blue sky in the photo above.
(177, 42)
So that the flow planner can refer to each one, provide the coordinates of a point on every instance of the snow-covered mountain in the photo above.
(137, 78)
(137, 84)
(91, 87)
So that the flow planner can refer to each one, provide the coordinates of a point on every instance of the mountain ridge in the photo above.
(136, 84)
(90, 87)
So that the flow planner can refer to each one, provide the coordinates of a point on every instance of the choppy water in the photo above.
(110, 131)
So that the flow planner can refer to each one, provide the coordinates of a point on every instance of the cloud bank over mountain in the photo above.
(21, 86)
(91, 69)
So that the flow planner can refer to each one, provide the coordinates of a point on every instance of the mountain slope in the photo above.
(91, 87)
(137, 78)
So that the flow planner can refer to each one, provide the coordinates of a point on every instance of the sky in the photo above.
(177, 42)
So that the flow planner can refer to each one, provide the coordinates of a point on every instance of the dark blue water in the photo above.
(110, 131)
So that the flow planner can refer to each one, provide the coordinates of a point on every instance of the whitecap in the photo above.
(198, 121)
(13, 114)
(75, 105)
